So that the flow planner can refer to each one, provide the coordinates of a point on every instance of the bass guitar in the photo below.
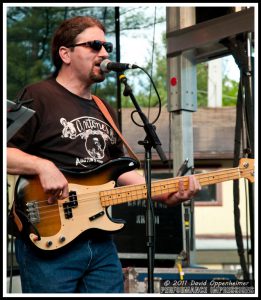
(52, 226)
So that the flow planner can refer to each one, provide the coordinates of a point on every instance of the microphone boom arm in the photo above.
(151, 137)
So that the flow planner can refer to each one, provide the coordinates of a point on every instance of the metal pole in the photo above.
(118, 57)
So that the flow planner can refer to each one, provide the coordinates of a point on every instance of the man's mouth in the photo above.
(97, 64)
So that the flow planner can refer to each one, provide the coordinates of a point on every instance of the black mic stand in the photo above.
(150, 141)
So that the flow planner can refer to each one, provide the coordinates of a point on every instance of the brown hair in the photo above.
(66, 34)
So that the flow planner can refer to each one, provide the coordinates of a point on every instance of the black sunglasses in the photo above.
(96, 45)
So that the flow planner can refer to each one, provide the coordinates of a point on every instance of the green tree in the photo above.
(230, 90)
(202, 84)
(229, 87)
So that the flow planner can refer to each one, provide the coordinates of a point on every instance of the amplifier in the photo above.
(131, 240)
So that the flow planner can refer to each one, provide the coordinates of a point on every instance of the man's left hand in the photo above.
(182, 195)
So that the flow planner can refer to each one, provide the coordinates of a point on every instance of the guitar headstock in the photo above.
(246, 167)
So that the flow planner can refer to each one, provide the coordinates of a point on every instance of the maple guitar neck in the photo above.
(136, 192)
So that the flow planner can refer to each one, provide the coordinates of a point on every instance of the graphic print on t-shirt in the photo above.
(94, 133)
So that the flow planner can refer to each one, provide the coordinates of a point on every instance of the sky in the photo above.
(136, 47)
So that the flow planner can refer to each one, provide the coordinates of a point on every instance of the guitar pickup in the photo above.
(67, 206)
(67, 210)
(98, 215)
(73, 199)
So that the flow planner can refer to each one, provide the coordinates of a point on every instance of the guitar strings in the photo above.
(170, 181)
(52, 210)
(170, 187)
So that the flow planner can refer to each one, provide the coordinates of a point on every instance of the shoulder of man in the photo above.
(40, 84)
(110, 108)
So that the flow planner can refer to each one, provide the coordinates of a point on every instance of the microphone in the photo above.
(107, 66)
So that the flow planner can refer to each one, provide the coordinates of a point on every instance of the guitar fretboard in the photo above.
(136, 192)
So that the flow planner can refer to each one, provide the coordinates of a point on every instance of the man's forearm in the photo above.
(19, 162)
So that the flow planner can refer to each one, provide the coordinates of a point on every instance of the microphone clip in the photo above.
(127, 90)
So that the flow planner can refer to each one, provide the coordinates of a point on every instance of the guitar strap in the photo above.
(107, 115)
(14, 224)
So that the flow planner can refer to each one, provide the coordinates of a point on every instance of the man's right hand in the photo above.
(53, 182)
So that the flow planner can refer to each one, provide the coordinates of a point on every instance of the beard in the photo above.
(97, 76)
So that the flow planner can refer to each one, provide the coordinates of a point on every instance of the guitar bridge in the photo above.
(33, 212)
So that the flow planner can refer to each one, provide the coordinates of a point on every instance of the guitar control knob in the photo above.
(61, 239)
(49, 243)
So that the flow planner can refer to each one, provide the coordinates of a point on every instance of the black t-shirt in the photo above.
(67, 129)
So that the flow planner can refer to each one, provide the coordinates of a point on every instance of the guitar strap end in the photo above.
(17, 220)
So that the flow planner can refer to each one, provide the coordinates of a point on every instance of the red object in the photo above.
(173, 81)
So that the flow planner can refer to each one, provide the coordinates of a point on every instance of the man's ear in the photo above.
(65, 54)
